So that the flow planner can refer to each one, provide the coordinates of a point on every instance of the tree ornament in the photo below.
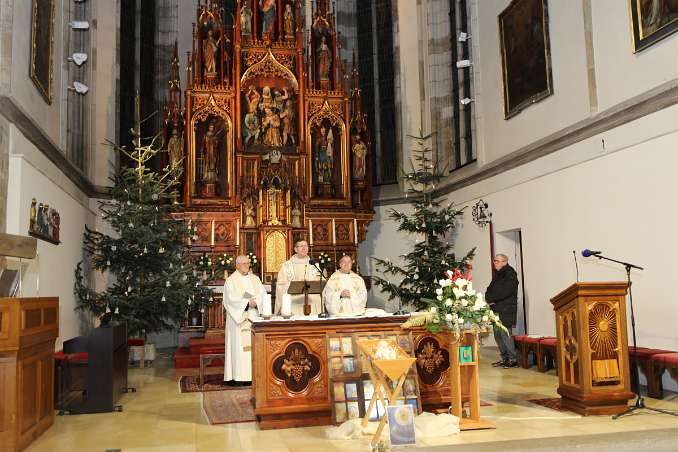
(167, 284)
(154, 197)
(113, 247)
(108, 310)
(108, 263)
(163, 298)
(117, 310)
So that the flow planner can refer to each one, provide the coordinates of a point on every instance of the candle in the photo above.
(237, 233)
(266, 308)
(286, 308)
(310, 232)
(355, 231)
(334, 234)
(212, 241)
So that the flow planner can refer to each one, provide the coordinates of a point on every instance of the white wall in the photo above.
(31, 175)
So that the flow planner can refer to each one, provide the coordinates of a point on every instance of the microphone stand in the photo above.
(640, 401)
(323, 312)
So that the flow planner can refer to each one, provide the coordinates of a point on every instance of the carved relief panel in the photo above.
(298, 369)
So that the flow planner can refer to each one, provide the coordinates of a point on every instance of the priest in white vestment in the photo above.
(297, 268)
(345, 292)
(243, 292)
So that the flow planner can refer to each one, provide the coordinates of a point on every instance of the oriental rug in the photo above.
(552, 403)
(215, 382)
(228, 407)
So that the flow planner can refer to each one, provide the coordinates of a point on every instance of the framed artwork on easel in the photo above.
(42, 44)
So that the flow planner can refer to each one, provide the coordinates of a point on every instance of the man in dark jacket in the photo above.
(502, 295)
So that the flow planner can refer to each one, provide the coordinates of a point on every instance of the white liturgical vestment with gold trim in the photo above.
(351, 305)
(297, 269)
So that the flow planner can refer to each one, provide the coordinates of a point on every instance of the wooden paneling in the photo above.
(29, 329)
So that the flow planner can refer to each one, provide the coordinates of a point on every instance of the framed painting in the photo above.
(525, 55)
(652, 21)
(42, 41)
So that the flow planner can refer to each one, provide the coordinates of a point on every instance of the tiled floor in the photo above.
(159, 418)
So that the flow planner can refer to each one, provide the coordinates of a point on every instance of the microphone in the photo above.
(576, 265)
(588, 253)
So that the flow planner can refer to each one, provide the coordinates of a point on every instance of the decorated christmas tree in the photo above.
(154, 282)
(414, 281)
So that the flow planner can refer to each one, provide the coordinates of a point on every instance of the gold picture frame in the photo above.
(651, 21)
(42, 44)
(525, 55)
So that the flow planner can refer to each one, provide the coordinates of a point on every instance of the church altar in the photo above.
(291, 374)
(270, 134)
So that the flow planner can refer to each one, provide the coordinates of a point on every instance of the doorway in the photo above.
(510, 243)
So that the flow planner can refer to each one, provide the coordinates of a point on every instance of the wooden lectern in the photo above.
(592, 350)
(28, 329)
(306, 288)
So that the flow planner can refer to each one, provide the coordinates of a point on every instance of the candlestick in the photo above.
(355, 231)
(310, 232)
(212, 240)
(334, 233)
(286, 308)
(237, 233)
(266, 308)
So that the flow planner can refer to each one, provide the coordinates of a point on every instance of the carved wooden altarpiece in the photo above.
(274, 142)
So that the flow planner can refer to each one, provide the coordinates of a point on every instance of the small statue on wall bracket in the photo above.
(44, 223)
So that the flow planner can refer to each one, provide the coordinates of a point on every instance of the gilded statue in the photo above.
(296, 216)
(209, 150)
(288, 21)
(175, 148)
(324, 60)
(246, 20)
(34, 215)
(209, 52)
(325, 155)
(287, 117)
(359, 151)
(271, 125)
(268, 16)
(250, 215)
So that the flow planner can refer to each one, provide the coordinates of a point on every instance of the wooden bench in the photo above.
(659, 363)
(643, 357)
(546, 354)
(525, 345)
(207, 355)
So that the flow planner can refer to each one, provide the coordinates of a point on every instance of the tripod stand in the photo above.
(640, 401)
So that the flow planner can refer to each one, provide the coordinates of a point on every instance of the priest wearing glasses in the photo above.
(243, 294)
(297, 268)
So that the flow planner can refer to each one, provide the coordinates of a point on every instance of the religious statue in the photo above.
(267, 100)
(246, 20)
(39, 220)
(279, 98)
(271, 125)
(324, 60)
(250, 214)
(325, 155)
(359, 151)
(46, 227)
(34, 215)
(287, 117)
(288, 21)
(253, 98)
(209, 150)
(56, 222)
(268, 16)
(175, 148)
(209, 51)
(296, 216)
(250, 132)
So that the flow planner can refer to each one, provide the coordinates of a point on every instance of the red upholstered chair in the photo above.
(137, 342)
(207, 355)
(659, 363)
(644, 356)
(546, 348)
(68, 375)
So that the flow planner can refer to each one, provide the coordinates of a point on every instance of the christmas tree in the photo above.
(415, 281)
(155, 284)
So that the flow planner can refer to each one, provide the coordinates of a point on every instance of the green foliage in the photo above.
(416, 278)
(154, 282)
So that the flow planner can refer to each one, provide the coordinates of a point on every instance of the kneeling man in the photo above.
(345, 292)
(243, 292)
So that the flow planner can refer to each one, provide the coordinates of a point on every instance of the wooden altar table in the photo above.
(290, 374)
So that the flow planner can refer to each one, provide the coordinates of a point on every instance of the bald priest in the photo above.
(345, 292)
(243, 294)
